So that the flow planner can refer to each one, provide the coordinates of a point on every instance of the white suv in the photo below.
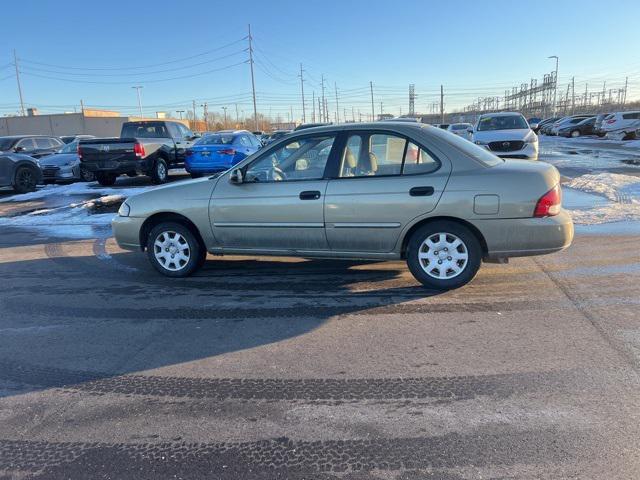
(507, 134)
(622, 125)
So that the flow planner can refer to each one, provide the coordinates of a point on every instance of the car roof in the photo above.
(500, 114)
(28, 136)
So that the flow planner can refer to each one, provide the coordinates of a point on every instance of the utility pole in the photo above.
(441, 104)
(15, 62)
(291, 110)
(335, 86)
(253, 83)
(353, 114)
(555, 88)
(324, 103)
(195, 118)
(573, 95)
(624, 95)
(313, 105)
(180, 112)
(373, 110)
(304, 114)
(205, 114)
(139, 101)
(237, 115)
(319, 110)
(225, 115)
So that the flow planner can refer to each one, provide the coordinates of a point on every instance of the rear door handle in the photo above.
(310, 195)
(421, 191)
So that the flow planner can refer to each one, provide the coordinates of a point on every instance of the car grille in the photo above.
(506, 146)
(50, 171)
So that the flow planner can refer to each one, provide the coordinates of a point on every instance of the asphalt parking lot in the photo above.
(261, 368)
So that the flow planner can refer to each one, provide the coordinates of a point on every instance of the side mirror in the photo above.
(19, 149)
(469, 130)
(236, 176)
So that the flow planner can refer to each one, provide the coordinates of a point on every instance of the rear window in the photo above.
(145, 130)
(460, 126)
(483, 155)
(216, 140)
(631, 116)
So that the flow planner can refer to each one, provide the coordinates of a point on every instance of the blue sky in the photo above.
(473, 48)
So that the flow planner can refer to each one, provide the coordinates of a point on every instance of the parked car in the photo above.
(35, 146)
(276, 135)
(544, 127)
(74, 138)
(19, 171)
(303, 126)
(146, 147)
(534, 122)
(577, 127)
(220, 151)
(622, 125)
(567, 121)
(507, 134)
(65, 166)
(443, 126)
(597, 127)
(461, 129)
(382, 191)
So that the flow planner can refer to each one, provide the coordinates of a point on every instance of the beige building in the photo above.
(101, 123)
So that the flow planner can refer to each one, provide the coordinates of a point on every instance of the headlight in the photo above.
(531, 138)
(124, 210)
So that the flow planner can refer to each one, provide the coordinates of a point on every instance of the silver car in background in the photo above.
(506, 134)
(382, 191)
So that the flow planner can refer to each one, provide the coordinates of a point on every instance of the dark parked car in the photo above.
(64, 166)
(35, 146)
(304, 126)
(148, 147)
(276, 135)
(72, 138)
(546, 125)
(19, 171)
(583, 127)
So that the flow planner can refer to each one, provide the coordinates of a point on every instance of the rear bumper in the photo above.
(126, 231)
(521, 237)
(118, 167)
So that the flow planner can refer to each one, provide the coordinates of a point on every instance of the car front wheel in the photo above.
(160, 172)
(25, 180)
(174, 251)
(444, 255)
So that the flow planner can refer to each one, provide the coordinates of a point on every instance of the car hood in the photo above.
(498, 135)
(59, 159)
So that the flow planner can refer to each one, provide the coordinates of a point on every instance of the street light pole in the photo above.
(139, 101)
(555, 88)
(180, 112)
(225, 116)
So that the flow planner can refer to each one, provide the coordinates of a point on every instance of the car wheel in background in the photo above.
(173, 250)
(132, 174)
(159, 173)
(87, 176)
(575, 133)
(106, 179)
(25, 180)
(444, 255)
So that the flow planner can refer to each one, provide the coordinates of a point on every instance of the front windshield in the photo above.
(460, 126)
(70, 148)
(216, 139)
(5, 144)
(502, 122)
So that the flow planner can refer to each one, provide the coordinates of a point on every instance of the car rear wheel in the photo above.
(106, 179)
(444, 255)
(575, 133)
(159, 174)
(25, 180)
(86, 175)
(174, 251)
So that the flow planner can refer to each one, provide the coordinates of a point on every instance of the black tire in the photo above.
(132, 174)
(87, 176)
(159, 173)
(170, 266)
(106, 179)
(196, 175)
(469, 244)
(25, 180)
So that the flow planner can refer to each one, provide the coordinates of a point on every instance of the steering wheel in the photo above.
(276, 174)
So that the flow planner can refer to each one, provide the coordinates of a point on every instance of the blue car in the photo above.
(217, 152)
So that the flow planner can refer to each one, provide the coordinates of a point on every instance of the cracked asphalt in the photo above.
(281, 368)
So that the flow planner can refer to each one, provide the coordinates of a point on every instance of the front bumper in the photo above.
(63, 173)
(126, 230)
(521, 237)
(529, 152)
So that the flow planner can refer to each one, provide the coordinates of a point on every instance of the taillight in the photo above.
(549, 204)
(613, 120)
(227, 151)
(138, 149)
(79, 152)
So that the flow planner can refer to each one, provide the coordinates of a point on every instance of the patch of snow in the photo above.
(632, 144)
(614, 186)
(79, 188)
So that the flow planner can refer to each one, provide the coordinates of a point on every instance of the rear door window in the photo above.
(26, 144)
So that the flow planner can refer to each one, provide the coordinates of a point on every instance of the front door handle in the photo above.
(310, 195)
(421, 191)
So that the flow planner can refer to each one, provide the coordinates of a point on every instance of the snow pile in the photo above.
(79, 188)
(621, 191)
